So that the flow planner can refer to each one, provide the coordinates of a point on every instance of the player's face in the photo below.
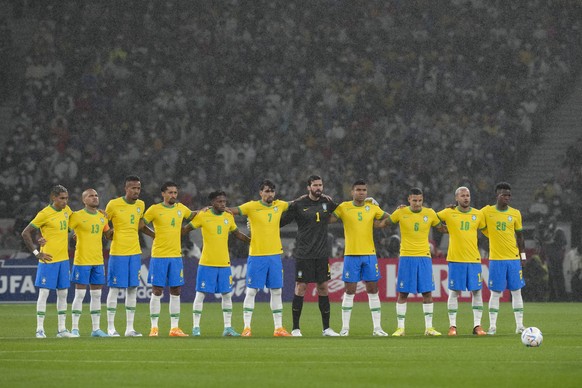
(415, 201)
(219, 204)
(132, 190)
(315, 188)
(463, 198)
(170, 195)
(267, 195)
(359, 192)
(60, 201)
(91, 198)
(503, 197)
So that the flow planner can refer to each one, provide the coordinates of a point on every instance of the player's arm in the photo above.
(27, 236)
(241, 236)
(187, 229)
(146, 229)
(383, 222)
(288, 216)
(235, 211)
(520, 244)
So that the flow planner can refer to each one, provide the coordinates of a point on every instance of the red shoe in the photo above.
(478, 330)
(281, 332)
(452, 331)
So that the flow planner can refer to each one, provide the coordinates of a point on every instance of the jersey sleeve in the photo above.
(244, 208)
(338, 212)
(149, 215)
(197, 220)
(518, 223)
(395, 217)
(379, 213)
(109, 210)
(187, 211)
(289, 216)
(232, 224)
(436, 220)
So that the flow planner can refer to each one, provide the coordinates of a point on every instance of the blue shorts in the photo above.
(88, 274)
(166, 272)
(214, 279)
(360, 267)
(54, 276)
(465, 276)
(415, 275)
(505, 274)
(123, 271)
(265, 271)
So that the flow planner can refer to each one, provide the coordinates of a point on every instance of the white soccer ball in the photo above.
(532, 337)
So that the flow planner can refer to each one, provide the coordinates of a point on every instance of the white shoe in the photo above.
(296, 333)
(113, 333)
(65, 334)
(329, 332)
(378, 332)
(40, 334)
(492, 330)
(75, 333)
(519, 330)
(344, 332)
(132, 333)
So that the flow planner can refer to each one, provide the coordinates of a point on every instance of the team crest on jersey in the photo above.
(102, 220)
(324, 206)
(179, 213)
(451, 282)
(425, 218)
(509, 218)
(43, 281)
(203, 285)
(115, 280)
(474, 217)
(299, 274)
(276, 209)
(347, 275)
(66, 214)
(76, 275)
(225, 221)
(367, 208)
(138, 209)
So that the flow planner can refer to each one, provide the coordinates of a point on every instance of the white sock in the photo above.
(197, 308)
(347, 305)
(95, 308)
(227, 309)
(155, 307)
(43, 294)
(277, 307)
(477, 304)
(174, 311)
(130, 303)
(453, 307)
(62, 308)
(249, 306)
(401, 314)
(428, 309)
(494, 308)
(517, 304)
(77, 307)
(112, 308)
(375, 309)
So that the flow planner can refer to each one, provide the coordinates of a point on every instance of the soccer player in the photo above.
(506, 248)
(312, 250)
(415, 265)
(463, 223)
(53, 267)
(214, 272)
(360, 261)
(264, 266)
(166, 266)
(126, 215)
(89, 225)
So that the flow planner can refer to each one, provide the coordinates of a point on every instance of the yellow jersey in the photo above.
(265, 230)
(501, 228)
(89, 230)
(125, 218)
(167, 223)
(215, 231)
(359, 226)
(414, 230)
(54, 227)
(463, 228)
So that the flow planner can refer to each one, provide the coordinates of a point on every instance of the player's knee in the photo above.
(251, 291)
(276, 291)
(300, 289)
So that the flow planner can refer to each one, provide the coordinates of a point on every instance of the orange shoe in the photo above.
(478, 330)
(452, 331)
(281, 332)
(154, 332)
(177, 332)
(246, 332)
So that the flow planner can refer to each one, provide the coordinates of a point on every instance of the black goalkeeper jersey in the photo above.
(312, 219)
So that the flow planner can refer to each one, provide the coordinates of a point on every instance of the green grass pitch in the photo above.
(311, 361)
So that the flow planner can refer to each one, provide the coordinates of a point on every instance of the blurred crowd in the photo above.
(223, 94)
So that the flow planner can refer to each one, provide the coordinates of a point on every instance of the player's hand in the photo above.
(372, 200)
(41, 241)
(44, 257)
(401, 206)
(330, 199)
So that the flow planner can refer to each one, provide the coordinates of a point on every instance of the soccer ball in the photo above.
(532, 337)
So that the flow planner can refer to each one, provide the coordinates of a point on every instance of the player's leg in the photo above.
(323, 275)
(79, 276)
(155, 277)
(425, 287)
(406, 283)
(206, 282)
(96, 286)
(43, 283)
(224, 287)
(175, 276)
(63, 284)
(248, 308)
(197, 308)
(497, 283)
(452, 308)
(371, 275)
(256, 279)
(515, 282)
(117, 268)
(297, 307)
(131, 295)
(351, 276)
(475, 284)
(274, 282)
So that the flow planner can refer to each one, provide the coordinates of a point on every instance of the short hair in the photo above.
(502, 186)
(359, 182)
(459, 189)
(57, 189)
(267, 183)
(168, 184)
(415, 191)
(132, 178)
(215, 194)
(313, 178)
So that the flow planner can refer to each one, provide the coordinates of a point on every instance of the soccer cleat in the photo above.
(478, 330)
(112, 333)
(196, 331)
(230, 332)
(453, 331)
(329, 332)
(296, 333)
(154, 332)
(246, 332)
(378, 332)
(281, 332)
(177, 332)
(519, 330)
(432, 332)
(344, 332)
(492, 330)
(40, 334)
(65, 334)
(399, 332)
(75, 333)
(99, 333)
(132, 333)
